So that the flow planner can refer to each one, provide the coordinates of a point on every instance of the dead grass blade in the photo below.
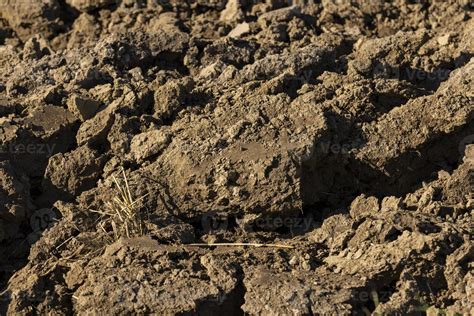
(256, 245)
(123, 212)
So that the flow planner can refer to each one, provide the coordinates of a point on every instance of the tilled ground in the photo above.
(341, 128)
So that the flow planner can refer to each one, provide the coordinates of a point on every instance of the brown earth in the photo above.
(344, 129)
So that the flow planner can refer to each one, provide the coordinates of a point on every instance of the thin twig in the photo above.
(241, 245)
(65, 242)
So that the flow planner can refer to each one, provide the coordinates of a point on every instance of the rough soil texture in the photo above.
(342, 128)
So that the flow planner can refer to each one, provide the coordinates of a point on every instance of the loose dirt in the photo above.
(343, 129)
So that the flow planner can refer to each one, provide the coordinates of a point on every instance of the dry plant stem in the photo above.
(242, 245)
(122, 212)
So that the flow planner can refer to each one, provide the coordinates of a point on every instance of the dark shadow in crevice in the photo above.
(406, 172)
(167, 60)
(384, 102)
(366, 300)
(335, 176)
(223, 304)
(32, 164)
(424, 80)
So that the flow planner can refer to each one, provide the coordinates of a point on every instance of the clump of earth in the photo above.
(328, 144)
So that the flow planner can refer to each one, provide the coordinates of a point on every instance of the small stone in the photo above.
(306, 266)
(443, 175)
(236, 192)
(443, 40)
(232, 12)
(294, 261)
(239, 30)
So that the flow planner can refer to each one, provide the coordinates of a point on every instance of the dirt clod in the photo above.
(267, 157)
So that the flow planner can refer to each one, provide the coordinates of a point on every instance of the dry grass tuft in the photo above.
(122, 214)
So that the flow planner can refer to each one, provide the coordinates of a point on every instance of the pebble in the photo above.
(294, 261)
(239, 30)
(306, 266)
(443, 40)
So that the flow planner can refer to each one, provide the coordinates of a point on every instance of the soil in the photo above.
(343, 129)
